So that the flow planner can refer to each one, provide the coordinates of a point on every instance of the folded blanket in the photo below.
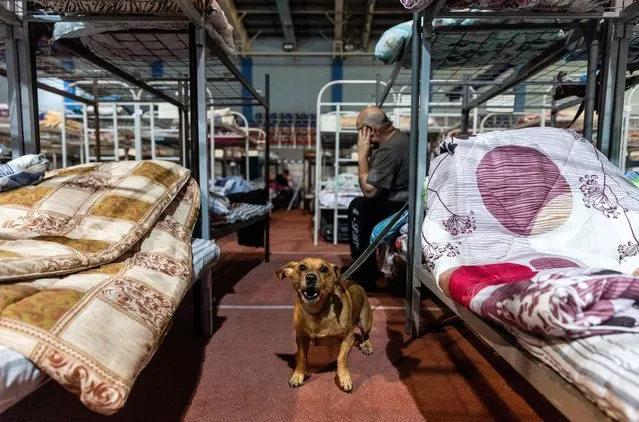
(118, 237)
(536, 229)
(219, 204)
(568, 302)
(23, 171)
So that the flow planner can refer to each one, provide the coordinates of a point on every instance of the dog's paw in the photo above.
(366, 347)
(297, 380)
(346, 383)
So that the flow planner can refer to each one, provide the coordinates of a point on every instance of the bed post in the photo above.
(267, 165)
(591, 86)
(624, 34)
(203, 301)
(16, 118)
(465, 117)
(23, 94)
(414, 253)
(96, 111)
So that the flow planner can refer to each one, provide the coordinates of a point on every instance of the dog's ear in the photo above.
(286, 271)
(338, 276)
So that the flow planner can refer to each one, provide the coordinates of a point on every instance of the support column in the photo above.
(199, 160)
(419, 162)
(96, 109)
(613, 91)
(16, 118)
(23, 94)
(29, 91)
(624, 34)
(465, 117)
(591, 85)
(198, 164)
(267, 164)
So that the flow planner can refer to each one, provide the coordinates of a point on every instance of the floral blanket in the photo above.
(535, 229)
(94, 260)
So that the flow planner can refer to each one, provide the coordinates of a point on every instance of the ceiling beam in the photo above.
(338, 22)
(286, 21)
(368, 23)
(235, 17)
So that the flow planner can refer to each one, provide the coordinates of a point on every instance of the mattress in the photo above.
(242, 212)
(604, 368)
(459, 49)
(101, 39)
(19, 377)
(509, 5)
(347, 121)
(344, 199)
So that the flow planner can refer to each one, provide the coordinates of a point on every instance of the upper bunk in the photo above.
(520, 56)
(142, 43)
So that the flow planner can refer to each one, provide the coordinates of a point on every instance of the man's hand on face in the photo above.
(364, 141)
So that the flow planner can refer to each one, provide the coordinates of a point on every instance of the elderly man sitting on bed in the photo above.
(383, 178)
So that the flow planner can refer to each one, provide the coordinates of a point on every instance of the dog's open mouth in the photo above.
(310, 294)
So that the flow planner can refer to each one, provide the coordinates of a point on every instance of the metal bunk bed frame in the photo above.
(616, 29)
(21, 73)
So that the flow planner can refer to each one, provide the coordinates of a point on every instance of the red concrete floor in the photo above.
(242, 372)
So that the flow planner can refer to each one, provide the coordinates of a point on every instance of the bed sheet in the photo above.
(19, 377)
(604, 368)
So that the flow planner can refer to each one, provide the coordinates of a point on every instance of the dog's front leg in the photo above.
(343, 372)
(300, 361)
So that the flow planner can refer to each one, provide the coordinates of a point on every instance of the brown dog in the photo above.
(327, 308)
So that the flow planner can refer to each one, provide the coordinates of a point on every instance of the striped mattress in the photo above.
(604, 368)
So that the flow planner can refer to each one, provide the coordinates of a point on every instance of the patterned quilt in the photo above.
(535, 229)
(94, 260)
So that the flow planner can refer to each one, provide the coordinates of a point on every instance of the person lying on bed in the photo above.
(383, 178)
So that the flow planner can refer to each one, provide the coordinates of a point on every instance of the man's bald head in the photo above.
(373, 117)
(376, 120)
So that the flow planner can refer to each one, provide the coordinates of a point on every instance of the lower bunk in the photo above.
(529, 237)
(244, 213)
(19, 376)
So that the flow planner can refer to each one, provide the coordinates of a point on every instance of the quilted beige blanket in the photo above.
(94, 260)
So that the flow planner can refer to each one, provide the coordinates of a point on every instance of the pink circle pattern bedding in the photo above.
(535, 229)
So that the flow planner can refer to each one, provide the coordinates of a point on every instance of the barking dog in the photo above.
(327, 308)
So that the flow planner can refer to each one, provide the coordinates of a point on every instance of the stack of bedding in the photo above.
(224, 211)
(537, 231)
(348, 189)
(109, 247)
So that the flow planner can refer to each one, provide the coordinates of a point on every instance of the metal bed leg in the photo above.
(267, 166)
(203, 304)
(419, 91)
